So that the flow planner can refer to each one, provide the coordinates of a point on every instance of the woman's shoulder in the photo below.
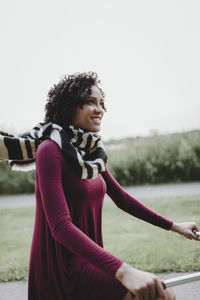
(49, 154)
(48, 147)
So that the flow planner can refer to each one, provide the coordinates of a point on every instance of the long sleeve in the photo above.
(49, 174)
(132, 206)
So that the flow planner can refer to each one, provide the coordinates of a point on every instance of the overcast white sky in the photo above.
(147, 55)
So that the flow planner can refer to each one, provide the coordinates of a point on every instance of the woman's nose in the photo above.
(98, 109)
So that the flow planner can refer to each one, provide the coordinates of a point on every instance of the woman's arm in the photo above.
(49, 173)
(132, 206)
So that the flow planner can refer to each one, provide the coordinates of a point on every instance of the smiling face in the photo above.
(89, 116)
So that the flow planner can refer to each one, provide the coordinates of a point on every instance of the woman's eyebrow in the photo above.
(91, 97)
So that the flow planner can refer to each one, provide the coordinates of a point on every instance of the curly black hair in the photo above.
(64, 97)
(70, 92)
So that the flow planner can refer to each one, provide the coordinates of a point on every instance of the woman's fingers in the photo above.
(151, 291)
(143, 295)
(169, 295)
(196, 233)
(191, 235)
(160, 289)
(192, 232)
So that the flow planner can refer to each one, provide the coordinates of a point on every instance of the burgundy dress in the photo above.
(67, 259)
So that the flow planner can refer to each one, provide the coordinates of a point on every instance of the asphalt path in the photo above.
(139, 192)
(18, 290)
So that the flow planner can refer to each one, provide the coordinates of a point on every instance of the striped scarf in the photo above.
(84, 150)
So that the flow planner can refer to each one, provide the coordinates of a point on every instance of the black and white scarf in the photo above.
(83, 149)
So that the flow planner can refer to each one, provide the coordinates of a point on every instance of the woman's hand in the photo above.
(187, 229)
(143, 285)
(169, 295)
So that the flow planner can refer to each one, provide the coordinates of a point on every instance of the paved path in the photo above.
(17, 201)
(18, 289)
(165, 190)
(139, 192)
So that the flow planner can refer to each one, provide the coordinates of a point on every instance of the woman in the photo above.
(67, 259)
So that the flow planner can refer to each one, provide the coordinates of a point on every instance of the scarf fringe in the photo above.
(23, 168)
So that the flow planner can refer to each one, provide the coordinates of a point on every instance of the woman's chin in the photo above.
(91, 129)
(96, 129)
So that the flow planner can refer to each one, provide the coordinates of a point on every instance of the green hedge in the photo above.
(13, 182)
(158, 159)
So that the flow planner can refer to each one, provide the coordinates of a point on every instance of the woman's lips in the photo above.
(97, 119)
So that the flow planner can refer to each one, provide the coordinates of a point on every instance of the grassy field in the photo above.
(140, 244)
(148, 247)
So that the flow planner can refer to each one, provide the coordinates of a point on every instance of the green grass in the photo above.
(16, 228)
(140, 244)
(148, 247)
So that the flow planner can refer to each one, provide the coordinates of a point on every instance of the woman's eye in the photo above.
(93, 102)
(90, 101)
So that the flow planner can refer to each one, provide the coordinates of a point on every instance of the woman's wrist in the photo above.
(122, 271)
(174, 227)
